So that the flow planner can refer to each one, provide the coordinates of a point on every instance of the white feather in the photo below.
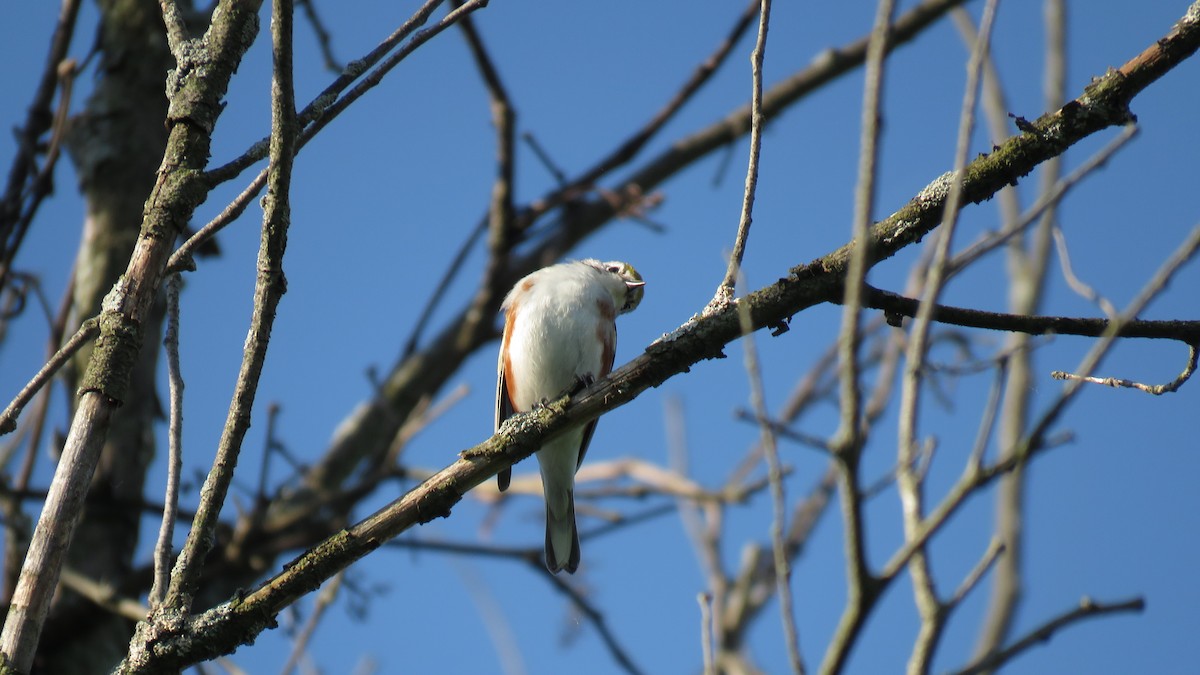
(556, 340)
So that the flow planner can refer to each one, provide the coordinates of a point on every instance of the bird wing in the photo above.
(588, 430)
(504, 406)
(607, 356)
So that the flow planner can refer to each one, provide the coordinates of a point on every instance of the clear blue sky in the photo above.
(385, 195)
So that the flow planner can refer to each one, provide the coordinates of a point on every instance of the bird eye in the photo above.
(614, 269)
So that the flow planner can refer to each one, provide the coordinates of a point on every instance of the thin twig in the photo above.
(500, 210)
(726, 290)
(631, 146)
(910, 484)
(317, 107)
(103, 595)
(268, 289)
(1087, 609)
(991, 412)
(898, 305)
(1155, 389)
(166, 532)
(702, 531)
(439, 292)
(706, 631)
(38, 120)
(1037, 440)
(271, 445)
(1047, 200)
(848, 437)
(181, 259)
(421, 418)
(177, 32)
(320, 113)
(509, 658)
(783, 574)
(1157, 283)
(1077, 284)
(782, 430)
(324, 40)
(87, 331)
(324, 600)
(994, 550)
(42, 184)
(596, 618)
(14, 552)
(559, 175)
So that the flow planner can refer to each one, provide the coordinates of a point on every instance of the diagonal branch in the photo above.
(1103, 104)
(1087, 609)
(896, 306)
(269, 288)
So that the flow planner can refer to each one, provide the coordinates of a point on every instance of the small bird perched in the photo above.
(560, 332)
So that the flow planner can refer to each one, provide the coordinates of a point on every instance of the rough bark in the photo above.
(116, 144)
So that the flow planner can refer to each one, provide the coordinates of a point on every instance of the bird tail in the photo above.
(562, 537)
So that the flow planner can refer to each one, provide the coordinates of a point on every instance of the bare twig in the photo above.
(849, 437)
(1156, 389)
(87, 331)
(596, 618)
(701, 524)
(321, 111)
(1157, 283)
(706, 631)
(500, 211)
(994, 550)
(38, 120)
(782, 430)
(103, 595)
(509, 659)
(324, 40)
(1087, 609)
(1046, 202)
(268, 289)
(181, 259)
(544, 157)
(1077, 284)
(317, 107)
(1037, 440)
(17, 525)
(500, 220)
(416, 423)
(439, 292)
(897, 305)
(783, 575)
(910, 484)
(324, 600)
(725, 291)
(629, 149)
(990, 413)
(177, 32)
(166, 532)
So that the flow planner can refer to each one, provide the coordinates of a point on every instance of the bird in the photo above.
(560, 333)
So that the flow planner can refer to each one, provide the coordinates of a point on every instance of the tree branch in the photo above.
(221, 629)
(195, 92)
(897, 305)
(1087, 609)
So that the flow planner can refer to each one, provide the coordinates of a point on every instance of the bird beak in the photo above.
(634, 284)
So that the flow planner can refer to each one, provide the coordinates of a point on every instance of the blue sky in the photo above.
(384, 196)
